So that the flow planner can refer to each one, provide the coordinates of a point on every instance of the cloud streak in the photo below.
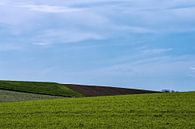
(10, 47)
(135, 17)
(50, 9)
(50, 37)
(192, 68)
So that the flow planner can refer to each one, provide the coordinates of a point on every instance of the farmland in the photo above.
(105, 90)
(9, 96)
(143, 111)
(45, 88)
(20, 90)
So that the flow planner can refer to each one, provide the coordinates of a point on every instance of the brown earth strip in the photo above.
(105, 91)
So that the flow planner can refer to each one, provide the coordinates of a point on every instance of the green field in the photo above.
(9, 96)
(147, 111)
(45, 88)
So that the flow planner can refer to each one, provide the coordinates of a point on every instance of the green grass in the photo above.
(46, 88)
(11, 96)
(147, 111)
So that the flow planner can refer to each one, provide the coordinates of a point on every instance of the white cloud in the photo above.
(115, 18)
(192, 69)
(132, 29)
(192, 72)
(159, 16)
(76, 24)
(49, 8)
(50, 37)
(155, 51)
(146, 63)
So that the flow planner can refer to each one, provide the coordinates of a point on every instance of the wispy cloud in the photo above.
(50, 8)
(155, 51)
(9, 47)
(192, 68)
(192, 72)
(108, 20)
(133, 29)
(50, 37)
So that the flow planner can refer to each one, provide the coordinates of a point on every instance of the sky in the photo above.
(147, 44)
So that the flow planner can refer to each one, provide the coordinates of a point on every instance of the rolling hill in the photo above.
(105, 90)
(20, 90)
(142, 111)
(45, 88)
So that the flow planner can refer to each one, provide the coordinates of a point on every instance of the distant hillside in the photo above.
(105, 91)
(45, 88)
(16, 90)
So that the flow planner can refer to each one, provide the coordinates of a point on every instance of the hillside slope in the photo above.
(65, 90)
(12, 96)
(105, 91)
(146, 111)
(45, 88)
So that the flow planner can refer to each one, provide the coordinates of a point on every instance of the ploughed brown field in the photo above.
(105, 91)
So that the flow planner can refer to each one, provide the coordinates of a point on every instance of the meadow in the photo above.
(143, 111)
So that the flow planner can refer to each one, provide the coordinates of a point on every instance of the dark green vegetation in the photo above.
(8, 96)
(146, 111)
(45, 88)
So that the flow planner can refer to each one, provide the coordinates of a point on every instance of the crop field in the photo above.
(67, 90)
(105, 90)
(143, 111)
(9, 96)
(46, 88)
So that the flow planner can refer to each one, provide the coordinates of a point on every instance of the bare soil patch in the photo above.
(105, 91)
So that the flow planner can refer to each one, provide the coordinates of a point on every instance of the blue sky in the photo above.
(146, 44)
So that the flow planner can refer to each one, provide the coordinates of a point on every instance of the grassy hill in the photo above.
(143, 111)
(44, 88)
